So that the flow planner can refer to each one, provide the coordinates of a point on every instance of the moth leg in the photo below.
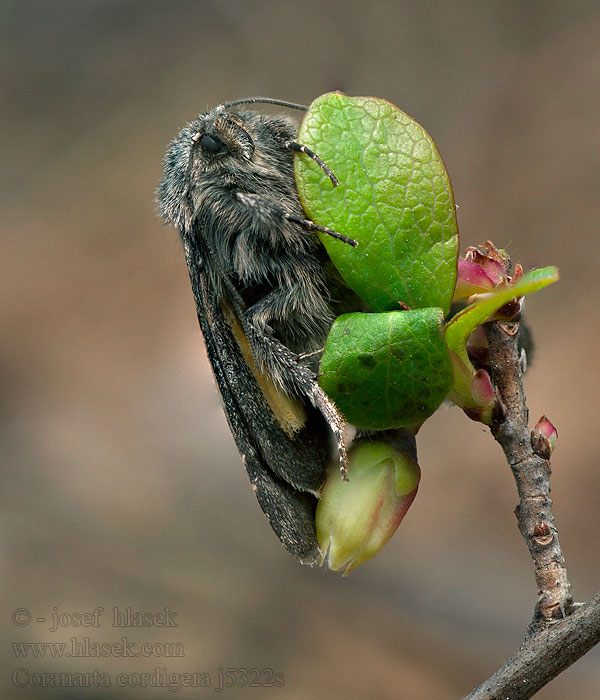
(280, 363)
(298, 309)
(286, 369)
(271, 355)
(267, 209)
(301, 148)
(311, 226)
(308, 355)
(337, 424)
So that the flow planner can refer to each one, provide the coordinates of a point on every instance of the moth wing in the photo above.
(283, 442)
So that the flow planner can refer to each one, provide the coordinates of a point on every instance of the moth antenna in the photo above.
(264, 100)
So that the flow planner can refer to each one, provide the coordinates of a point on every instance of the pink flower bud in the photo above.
(482, 389)
(482, 271)
(544, 437)
(472, 279)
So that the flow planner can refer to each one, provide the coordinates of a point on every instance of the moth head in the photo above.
(211, 147)
(223, 139)
(221, 136)
(219, 147)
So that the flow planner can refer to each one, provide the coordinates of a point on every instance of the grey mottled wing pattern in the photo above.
(286, 468)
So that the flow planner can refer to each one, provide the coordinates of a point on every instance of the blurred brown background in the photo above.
(121, 484)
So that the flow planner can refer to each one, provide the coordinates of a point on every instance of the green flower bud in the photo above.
(356, 518)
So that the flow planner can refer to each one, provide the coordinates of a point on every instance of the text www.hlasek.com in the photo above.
(84, 647)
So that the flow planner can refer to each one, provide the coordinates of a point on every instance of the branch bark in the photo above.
(547, 650)
(530, 470)
(561, 632)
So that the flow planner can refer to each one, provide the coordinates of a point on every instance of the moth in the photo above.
(266, 295)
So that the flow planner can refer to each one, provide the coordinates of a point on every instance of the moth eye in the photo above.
(212, 144)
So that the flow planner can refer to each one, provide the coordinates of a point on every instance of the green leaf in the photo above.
(471, 317)
(460, 327)
(387, 370)
(394, 198)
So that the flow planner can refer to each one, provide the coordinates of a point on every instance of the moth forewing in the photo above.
(286, 471)
(264, 292)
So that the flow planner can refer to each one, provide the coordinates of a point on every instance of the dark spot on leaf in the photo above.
(347, 388)
(367, 361)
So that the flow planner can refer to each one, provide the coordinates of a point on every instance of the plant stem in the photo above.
(561, 632)
(531, 472)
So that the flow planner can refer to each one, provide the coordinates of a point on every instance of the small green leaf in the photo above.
(387, 370)
(460, 327)
(394, 198)
(471, 317)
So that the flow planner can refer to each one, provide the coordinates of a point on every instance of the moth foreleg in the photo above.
(301, 148)
(265, 208)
